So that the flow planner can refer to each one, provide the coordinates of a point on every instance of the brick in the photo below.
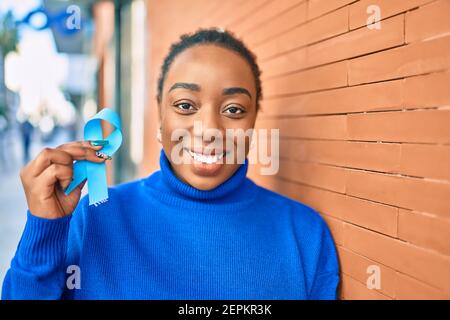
(429, 21)
(246, 9)
(371, 215)
(355, 266)
(338, 48)
(429, 161)
(372, 156)
(424, 230)
(326, 77)
(336, 228)
(424, 265)
(286, 148)
(285, 63)
(409, 193)
(324, 27)
(216, 14)
(324, 201)
(358, 42)
(430, 90)
(408, 288)
(355, 290)
(213, 9)
(277, 26)
(318, 7)
(372, 97)
(424, 195)
(327, 177)
(323, 127)
(358, 11)
(424, 126)
(413, 59)
(265, 14)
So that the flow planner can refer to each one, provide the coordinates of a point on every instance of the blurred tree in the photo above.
(8, 42)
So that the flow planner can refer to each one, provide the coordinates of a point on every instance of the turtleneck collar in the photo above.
(236, 191)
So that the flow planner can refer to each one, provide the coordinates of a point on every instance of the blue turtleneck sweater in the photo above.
(160, 238)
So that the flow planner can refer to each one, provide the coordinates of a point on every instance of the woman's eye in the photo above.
(184, 106)
(234, 110)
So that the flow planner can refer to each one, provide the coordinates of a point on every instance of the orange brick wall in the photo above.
(364, 123)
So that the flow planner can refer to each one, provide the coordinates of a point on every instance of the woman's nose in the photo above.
(208, 125)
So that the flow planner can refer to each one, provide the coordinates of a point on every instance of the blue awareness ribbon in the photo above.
(95, 173)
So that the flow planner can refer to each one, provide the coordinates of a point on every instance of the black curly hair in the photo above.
(215, 36)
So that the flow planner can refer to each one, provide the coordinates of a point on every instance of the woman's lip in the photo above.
(205, 169)
(206, 165)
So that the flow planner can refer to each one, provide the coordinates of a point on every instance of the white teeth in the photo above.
(209, 159)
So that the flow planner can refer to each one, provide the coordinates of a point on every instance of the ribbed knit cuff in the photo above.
(44, 241)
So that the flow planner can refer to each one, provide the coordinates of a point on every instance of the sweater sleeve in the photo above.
(38, 269)
(327, 279)
(325, 286)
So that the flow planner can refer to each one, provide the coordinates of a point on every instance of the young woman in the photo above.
(196, 229)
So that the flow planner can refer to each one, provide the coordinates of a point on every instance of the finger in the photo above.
(82, 153)
(83, 144)
(48, 156)
(55, 173)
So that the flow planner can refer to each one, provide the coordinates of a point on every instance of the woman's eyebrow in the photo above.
(234, 90)
(196, 87)
(185, 85)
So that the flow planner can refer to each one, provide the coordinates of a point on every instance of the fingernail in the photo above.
(103, 155)
(97, 143)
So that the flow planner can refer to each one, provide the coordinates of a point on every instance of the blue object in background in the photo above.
(58, 20)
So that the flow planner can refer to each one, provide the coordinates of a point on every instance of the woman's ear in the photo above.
(159, 135)
(158, 131)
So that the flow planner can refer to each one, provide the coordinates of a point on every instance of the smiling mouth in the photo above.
(204, 158)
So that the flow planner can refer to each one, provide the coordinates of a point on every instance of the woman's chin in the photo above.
(204, 183)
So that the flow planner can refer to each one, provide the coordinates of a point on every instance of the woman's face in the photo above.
(213, 88)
